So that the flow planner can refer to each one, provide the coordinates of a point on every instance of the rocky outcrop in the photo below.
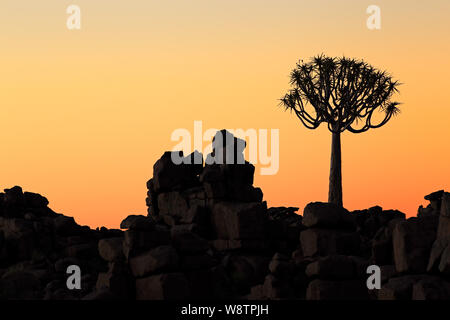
(208, 234)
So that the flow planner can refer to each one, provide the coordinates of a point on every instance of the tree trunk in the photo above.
(335, 188)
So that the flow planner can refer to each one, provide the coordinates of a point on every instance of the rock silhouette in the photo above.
(208, 234)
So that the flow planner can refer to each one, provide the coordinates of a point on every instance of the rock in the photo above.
(226, 149)
(197, 214)
(169, 176)
(13, 197)
(331, 267)
(201, 283)
(245, 194)
(215, 190)
(336, 290)
(435, 196)
(239, 220)
(387, 272)
(163, 258)
(198, 261)
(239, 174)
(412, 240)
(173, 204)
(84, 251)
(382, 247)
(323, 214)
(443, 234)
(111, 249)
(431, 288)
(257, 293)
(138, 222)
(245, 271)
(435, 199)
(19, 285)
(34, 200)
(274, 288)
(281, 268)
(212, 173)
(230, 245)
(168, 286)
(136, 242)
(398, 288)
(117, 280)
(188, 242)
(323, 242)
(444, 218)
(65, 225)
(444, 265)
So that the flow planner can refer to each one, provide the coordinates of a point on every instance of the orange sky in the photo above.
(86, 113)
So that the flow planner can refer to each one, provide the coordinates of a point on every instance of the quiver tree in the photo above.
(346, 94)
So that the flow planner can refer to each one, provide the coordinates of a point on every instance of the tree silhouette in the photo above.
(347, 94)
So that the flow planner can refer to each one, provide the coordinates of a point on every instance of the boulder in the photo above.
(323, 242)
(169, 176)
(18, 285)
(34, 200)
(256, 245)
(173, 204)
(280, 266)
(197, 261)
(111, 249)
(117, 280)
(324, 214)
(332, 267)
(387, 272)
(226, 149)
(412, 241)
(444, 218)
(399, 288)
(65, 225)
(162, 258)
(337, 290)
(444, 265)
(138, 222)
(431, 288)
(13, 197)
(168, 286)
(275, 288)
(187, 241)
(136, 241)
(443, 234)
(239, 220)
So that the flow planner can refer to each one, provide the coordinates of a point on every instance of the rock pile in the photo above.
(208, 234)
(37, 245)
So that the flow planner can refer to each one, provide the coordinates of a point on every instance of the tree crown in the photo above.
(342, 92)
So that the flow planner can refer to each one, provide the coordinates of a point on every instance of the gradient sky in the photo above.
(86, 113)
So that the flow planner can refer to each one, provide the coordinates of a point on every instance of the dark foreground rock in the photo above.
(208, 234)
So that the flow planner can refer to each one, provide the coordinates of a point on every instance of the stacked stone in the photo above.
(208, 234)
(197, 215)
(418, 244)
(330, 245)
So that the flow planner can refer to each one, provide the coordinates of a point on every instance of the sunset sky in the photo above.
(85, 113)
